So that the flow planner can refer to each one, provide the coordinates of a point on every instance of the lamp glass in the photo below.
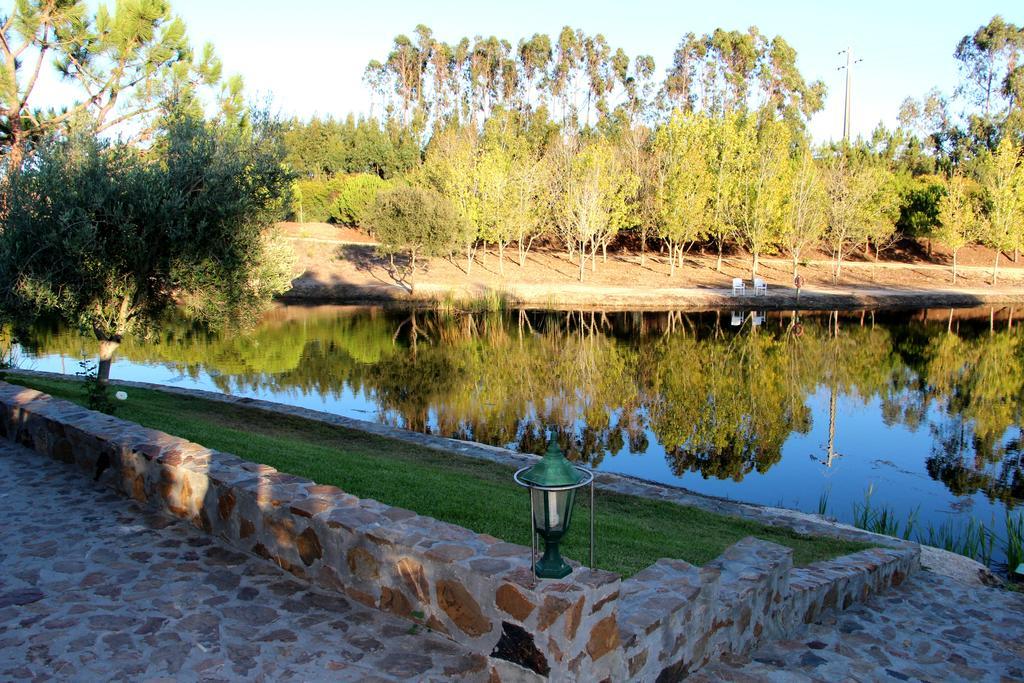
(551, 511)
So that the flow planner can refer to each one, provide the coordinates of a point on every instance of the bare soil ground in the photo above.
(341, 263)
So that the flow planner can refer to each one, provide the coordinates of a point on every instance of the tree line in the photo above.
(570, 141)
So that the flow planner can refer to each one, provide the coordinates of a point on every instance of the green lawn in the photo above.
(632, 533)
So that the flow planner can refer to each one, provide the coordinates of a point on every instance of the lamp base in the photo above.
(551, 565)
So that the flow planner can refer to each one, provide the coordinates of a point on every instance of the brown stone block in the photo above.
(461, 608)
(246, 528)
(604, 637)
(572, 619)
(362, 564)
(414, 578)
(604, 601)
(513, 602)
(309, 546)
(309, 507)
(552, 608)
(435, 624)
(226, 504)
(361, 596)
(636, 663)
(394, 600)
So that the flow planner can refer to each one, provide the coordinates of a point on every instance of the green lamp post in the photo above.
(552, 483)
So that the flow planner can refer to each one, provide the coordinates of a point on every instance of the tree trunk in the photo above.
(796, 262)
(583, 258)
(469, 260)
(995, 269)
(671, 260)
(718, 267)
(412, 273)
(107, 349)
(643, 246)
(753, 265)
(501, 258)
(954, 265)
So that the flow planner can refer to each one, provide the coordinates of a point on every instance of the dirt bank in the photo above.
(342, 266)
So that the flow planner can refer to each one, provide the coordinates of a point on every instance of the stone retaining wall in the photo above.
(667, 620)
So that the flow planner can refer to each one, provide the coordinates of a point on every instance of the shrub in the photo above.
(343, 199)
(355, 194)
(416, 222)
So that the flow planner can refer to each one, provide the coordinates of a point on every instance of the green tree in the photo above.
(594, 198)
(960, 221)
(684, 147)
(862, 202)
(1003, 185)
(108, 238)
(124, 66)
(764, 184)
(727, 169)
(415, 221)
(450, 168)
(807, 214)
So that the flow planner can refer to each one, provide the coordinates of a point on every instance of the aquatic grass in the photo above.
(491, 301)
(823, 500)
(632, 533)
(1013, 545)
(881, 519)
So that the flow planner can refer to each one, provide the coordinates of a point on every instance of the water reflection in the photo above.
(723, 395)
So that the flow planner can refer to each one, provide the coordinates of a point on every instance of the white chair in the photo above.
(760, 286)
(739, 287)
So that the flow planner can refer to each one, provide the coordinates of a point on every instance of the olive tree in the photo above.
(108, 237)
(417, 222)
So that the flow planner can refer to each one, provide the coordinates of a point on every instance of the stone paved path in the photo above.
(930, 629)
(92, 588)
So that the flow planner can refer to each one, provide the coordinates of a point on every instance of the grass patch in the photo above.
(631, 532)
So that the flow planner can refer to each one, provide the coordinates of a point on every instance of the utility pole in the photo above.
(850, 61)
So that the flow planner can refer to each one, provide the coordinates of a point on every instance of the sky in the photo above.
(309, 55)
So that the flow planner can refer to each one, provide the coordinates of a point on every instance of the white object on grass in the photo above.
(121, 396)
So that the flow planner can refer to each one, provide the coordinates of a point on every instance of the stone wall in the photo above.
(666, 620)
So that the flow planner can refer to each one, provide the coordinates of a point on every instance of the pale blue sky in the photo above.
(310, 54)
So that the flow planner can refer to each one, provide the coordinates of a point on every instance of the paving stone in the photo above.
(128, 594)
(891, 636)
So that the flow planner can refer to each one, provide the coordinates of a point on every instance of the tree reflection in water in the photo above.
(721, 399)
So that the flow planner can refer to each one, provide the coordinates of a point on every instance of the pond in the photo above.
(921, 410)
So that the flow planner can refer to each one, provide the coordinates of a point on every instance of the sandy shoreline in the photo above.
(311, 289)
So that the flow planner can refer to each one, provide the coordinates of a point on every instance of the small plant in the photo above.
(1014, 544)
(97, 393)
(823, 501)
(911, 523)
